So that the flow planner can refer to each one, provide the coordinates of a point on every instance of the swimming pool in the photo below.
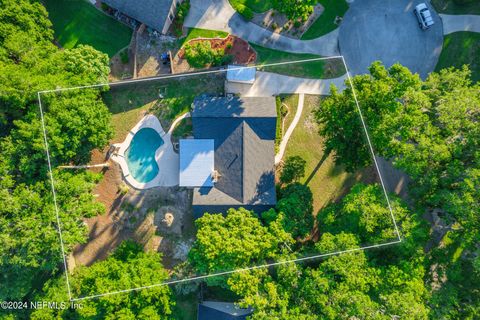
(140, 155)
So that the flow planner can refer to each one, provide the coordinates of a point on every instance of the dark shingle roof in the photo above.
(220, 107)
(244, 150)
(209, 310)
(153, 13)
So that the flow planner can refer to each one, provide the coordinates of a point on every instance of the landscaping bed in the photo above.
(237, 50)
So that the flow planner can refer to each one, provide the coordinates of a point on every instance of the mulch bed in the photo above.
(240, 49)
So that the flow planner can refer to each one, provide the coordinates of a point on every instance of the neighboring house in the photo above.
(213, 310)
(236, 137)
(156, 14)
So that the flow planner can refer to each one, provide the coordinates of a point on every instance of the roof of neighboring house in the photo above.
(208, 310)
(236, 73)
(196, 162)
(244, 133)
(153, 13)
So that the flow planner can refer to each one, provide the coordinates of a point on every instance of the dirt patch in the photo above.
(279, 23)
(121, 69)
(141, 215)
(150, 48)
(240, 50)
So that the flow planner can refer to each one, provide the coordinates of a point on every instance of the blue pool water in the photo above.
(140, 155)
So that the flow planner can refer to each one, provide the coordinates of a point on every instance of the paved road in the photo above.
(455, 23)
(268, 84)
(219, 15)
(387, 30)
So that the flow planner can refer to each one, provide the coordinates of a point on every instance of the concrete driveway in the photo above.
(387, 30)
(268, 84)
(455, 23)
(219, 15)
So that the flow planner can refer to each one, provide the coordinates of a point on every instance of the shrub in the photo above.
(201, 54)
(295, 9)
(297, 24)
(244, 11)
(124, 56)
(104, 6)
(293, 170)
(229, 46)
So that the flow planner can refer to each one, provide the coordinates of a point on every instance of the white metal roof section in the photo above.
(196, 162)
(236, 73)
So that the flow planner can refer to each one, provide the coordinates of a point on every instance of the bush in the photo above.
(295, 9)
(244, 11)
(297, 24)
(293, 170)
(104, 6)
(124, 56)
(201, 54)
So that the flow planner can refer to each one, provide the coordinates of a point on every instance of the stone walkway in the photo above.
(219, 15)
(455, 23)
(268, 84)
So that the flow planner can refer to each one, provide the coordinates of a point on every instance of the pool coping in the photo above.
(166, 158)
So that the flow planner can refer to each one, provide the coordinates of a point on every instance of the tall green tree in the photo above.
(129, 267)
(237, 240)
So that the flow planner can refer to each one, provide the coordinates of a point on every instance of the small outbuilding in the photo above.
(241, 74)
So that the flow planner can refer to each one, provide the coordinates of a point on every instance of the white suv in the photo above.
(425, 19)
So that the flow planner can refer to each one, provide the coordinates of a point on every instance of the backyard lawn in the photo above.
(326, 22)
(321, 69)
(461, 48)
(327, 181)
(128, 102)
(450, 7)
(79, 22)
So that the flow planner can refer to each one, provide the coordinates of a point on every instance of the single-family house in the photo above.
(156, 14)
(230, 161)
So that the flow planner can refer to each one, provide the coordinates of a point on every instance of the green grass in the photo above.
(326, 22)
(128, 102)
(321, 69)
(194, 33)
(461, 48)
(78, 22)
(327, 181)
(258, 6)
(450, 7)
(183, 129)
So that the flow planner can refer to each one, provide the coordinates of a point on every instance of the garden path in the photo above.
(283, 144)
(455, 23)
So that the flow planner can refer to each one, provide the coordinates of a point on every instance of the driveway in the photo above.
(268, 84)
(455, 23)
(219, 15)
(387, 30)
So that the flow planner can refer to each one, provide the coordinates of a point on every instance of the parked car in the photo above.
(424, 16)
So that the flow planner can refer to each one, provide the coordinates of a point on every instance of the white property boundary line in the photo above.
(52, 181)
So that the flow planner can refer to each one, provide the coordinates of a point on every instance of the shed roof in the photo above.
(153, 13)
(208, 310)
(196, 162)
(236, 73)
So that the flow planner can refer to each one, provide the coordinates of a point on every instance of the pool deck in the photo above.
(167, 159)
